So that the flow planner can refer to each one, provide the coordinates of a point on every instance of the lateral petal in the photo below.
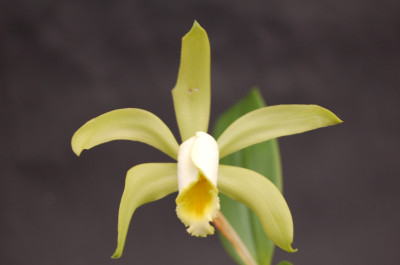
(191, 93)
(263, 198)
(126, 124)
(144, 183)
(205, 156)
(187, 172)
(272, 122)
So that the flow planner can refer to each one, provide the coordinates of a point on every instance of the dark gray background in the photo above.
(64, 62)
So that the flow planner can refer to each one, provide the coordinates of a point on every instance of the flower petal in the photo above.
(187, 172)
(198, 202)
(126, 124)
(144, 183)
(205, 156)
(197, 205)
(191, 93)
(271, 122)
(261, 196)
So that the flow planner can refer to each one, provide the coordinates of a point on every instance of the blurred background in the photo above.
(65, 62)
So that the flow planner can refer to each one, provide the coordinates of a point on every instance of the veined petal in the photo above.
(271, 122)
(263, 198)
(144, 183)
(126, 124)
(191, 93)
(197, 201)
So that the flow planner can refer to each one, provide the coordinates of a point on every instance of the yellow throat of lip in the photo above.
(197, 205)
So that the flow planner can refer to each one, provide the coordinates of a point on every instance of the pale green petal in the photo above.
(191, 93)
(260, 195)
(126, 124)
(144, 183)
(271, 122)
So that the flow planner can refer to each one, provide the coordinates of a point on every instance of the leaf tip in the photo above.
(285, 262)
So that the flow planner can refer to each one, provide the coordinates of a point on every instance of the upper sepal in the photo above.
(191, 93)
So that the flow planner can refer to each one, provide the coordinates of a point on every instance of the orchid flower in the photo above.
(197, 176)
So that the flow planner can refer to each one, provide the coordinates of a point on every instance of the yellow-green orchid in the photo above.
(197, 175)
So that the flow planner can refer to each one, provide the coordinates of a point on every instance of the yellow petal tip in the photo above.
(335, 119)
(120, 248)
(116, 255)
(77, 151)
(291, 250)
(196, 26)
(329, 115)
(196, 31)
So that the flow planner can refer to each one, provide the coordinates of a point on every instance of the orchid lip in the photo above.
(197, 201)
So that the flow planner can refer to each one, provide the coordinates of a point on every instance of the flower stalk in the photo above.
(223, 225)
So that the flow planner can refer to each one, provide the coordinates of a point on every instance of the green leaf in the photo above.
(263, 158)
(285, 262)
(271, 122)
(126, 124)
(191, 93)
(144, 183)
(263, 198)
